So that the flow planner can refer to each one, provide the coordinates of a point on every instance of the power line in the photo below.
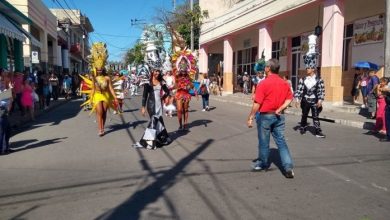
(113, 35)
(59, 4)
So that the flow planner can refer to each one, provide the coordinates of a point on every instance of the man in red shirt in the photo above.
(273, 95)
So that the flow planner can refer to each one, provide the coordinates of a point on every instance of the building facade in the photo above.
(40, 50)
(73, 37)
(12, 37)
(235, 35)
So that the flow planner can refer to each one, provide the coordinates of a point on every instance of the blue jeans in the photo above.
(268, 124)
(205, 100)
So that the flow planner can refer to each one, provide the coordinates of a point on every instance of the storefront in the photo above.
(349, 34)
(43, 32)
(11, 37)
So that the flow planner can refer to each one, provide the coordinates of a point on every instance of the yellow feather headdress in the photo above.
(99, 56)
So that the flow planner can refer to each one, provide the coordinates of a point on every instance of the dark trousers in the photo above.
(5, 131)
(55, 92)
(17, 101)
(387, 118)
(205, 100)
(315, 111)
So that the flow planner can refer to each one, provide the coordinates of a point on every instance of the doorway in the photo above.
(295, 61)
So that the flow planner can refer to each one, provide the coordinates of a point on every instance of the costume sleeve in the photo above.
(299, 92)
(321, 90)
(145, 94)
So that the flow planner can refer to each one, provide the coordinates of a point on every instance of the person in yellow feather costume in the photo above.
(102, 94)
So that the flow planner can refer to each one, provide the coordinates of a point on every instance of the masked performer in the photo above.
(102, 95)
(119, 88)
(311, 90)
(184, 71)
(155, 91)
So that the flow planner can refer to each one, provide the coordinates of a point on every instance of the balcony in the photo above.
(75, 48)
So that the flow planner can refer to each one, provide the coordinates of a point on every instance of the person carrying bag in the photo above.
(205, 92)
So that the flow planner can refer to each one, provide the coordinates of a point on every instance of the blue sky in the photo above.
(113, 17)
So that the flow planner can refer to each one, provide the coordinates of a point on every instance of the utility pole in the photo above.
(387, 40)
(192, 25)
(174, 5)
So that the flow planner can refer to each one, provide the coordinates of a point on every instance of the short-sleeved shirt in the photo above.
(272, 92)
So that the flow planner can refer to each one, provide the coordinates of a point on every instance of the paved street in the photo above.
(62, 170)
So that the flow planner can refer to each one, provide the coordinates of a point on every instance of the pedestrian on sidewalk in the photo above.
(245, 80)
(273, 95)
(355, 85)
(380, 124)
(54, 82)
(28, 98)
(371, 97)
(5, 107)
(363, 86)
(386, 92)
(17, 82)
(204, 91)
(310, 94)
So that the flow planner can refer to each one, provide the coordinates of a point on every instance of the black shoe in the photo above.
(302, 130)
(319, 134)
(384, 140)
(289, 174)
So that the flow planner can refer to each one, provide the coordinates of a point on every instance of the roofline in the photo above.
(19, 13)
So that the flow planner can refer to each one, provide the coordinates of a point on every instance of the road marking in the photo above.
(379, 187)
(340, 176)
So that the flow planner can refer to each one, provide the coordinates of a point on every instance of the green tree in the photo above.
(179, 22)
(135, 55)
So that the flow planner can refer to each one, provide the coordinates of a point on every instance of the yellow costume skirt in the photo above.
(104, 96)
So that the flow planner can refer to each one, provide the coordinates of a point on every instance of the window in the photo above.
(246, 59)
(275, 50)
(347, 45)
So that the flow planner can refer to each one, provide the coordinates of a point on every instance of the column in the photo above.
(332, 50)
(44, 58)
(55, 56)
(265, 40)
(228, 66)
(203, 59)
(3, 52)
(18, 56)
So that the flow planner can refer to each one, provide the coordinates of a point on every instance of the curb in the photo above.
(345, 122)
(20, 121)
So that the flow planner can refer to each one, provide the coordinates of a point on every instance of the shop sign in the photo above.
(369, 30)
(34, 57)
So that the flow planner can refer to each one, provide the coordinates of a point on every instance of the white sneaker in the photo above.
(207, 108)
(203, 110)
(363, 106)
(115, 112)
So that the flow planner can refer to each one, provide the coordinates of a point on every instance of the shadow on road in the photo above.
(131, 110)
(54, 116)
(20, 147)
(132, 208)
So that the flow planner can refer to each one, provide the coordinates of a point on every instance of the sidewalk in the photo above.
(16, 120)
(349, 115)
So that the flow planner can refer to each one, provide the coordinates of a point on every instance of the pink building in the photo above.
(236, 33)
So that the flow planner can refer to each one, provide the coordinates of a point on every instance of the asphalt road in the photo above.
(61, 169)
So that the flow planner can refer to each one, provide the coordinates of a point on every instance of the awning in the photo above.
(9, 29)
